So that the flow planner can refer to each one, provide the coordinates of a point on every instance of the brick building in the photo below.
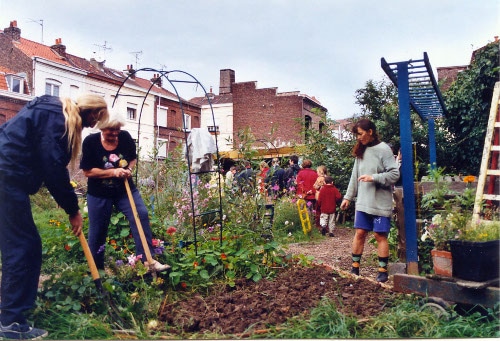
(153, 114)
(277, 120)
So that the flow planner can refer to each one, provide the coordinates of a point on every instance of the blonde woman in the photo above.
(108, 159)
(36, 147)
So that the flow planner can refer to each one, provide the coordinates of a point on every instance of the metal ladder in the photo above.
(489, 162)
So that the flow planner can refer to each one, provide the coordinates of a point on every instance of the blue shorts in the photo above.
(372, 222)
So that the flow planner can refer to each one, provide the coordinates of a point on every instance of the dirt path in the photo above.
(336, 253)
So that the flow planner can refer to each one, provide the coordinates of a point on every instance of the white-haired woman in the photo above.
(36, 147)
(108, 160)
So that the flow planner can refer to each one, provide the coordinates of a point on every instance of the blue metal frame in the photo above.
(417, 88)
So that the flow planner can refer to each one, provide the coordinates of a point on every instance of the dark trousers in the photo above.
(21, 249)
(100, 210)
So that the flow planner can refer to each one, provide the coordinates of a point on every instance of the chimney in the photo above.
(131, 71)
(13, 31)
(59, 47)
(156, 79)
(227, 78)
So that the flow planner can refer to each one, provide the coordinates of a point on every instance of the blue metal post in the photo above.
(432, 142)
(407, 169)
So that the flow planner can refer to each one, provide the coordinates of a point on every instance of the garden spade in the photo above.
(114, 312)
(145, 245)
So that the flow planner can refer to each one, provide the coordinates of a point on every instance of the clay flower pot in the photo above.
(442, 261)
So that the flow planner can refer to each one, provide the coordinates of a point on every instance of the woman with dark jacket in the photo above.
(36, 147)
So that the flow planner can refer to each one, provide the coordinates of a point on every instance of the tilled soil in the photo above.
(251, 306)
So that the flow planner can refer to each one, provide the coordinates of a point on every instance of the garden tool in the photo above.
(304, 216)
(113, 312)
(144, 242)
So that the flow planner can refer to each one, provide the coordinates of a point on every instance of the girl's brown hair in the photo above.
(359, 149)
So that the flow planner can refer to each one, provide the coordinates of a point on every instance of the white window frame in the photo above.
(186, 122)
(53, 86)
(161, 116)
(162, 146)
(13, 82)
(131, 108)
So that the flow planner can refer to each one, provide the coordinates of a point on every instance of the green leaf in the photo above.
(257, 277)
(125, 232)
(204, 274)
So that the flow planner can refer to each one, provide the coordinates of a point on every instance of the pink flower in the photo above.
(133, 259)
(157, 242)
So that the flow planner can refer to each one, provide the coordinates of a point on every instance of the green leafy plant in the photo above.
(480, 232)
(437, 197)
(444, 228)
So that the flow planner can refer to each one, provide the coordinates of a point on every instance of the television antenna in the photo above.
(39, 22)
(137, 53)
(102, 48)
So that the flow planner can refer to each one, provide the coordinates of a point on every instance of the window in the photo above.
(73, 92)
(161, 116)
(52, 87)
(307, 126)
(187, 122)
(15, 83)
(213, 129)
(162, 148)
(131, 111)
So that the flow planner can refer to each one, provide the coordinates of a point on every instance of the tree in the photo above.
(379, 103)
(468, 102)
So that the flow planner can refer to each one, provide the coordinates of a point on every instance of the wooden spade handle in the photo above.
(145, 245)
(90, 258)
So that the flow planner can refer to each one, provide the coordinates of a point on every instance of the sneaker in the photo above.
(323, 231)
(157, 266)
(355, 271)
(15, 331)
(382, 276)
(331, 234)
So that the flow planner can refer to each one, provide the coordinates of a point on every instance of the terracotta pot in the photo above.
(442, 262)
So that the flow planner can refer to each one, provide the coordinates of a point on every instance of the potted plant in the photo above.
(475, 251)
(443, 228)
(438, 198)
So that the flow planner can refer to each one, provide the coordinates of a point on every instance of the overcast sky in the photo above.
(322, 48)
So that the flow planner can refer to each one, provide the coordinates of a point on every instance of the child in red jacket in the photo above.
(328, 198)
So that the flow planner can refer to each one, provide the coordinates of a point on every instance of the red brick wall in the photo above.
(9, 107)
(13, 59)
(174, 130)
(447, 75)
(265, 109)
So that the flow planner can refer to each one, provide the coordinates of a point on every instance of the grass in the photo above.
(405, 320)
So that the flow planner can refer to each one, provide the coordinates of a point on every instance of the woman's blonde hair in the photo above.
(87, 104)
(322, 169)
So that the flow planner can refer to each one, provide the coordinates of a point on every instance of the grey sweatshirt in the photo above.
(374, 197)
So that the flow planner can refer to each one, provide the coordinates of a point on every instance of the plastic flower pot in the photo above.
(475, 261)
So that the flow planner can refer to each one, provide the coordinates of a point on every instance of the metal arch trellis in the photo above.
(166, 75)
